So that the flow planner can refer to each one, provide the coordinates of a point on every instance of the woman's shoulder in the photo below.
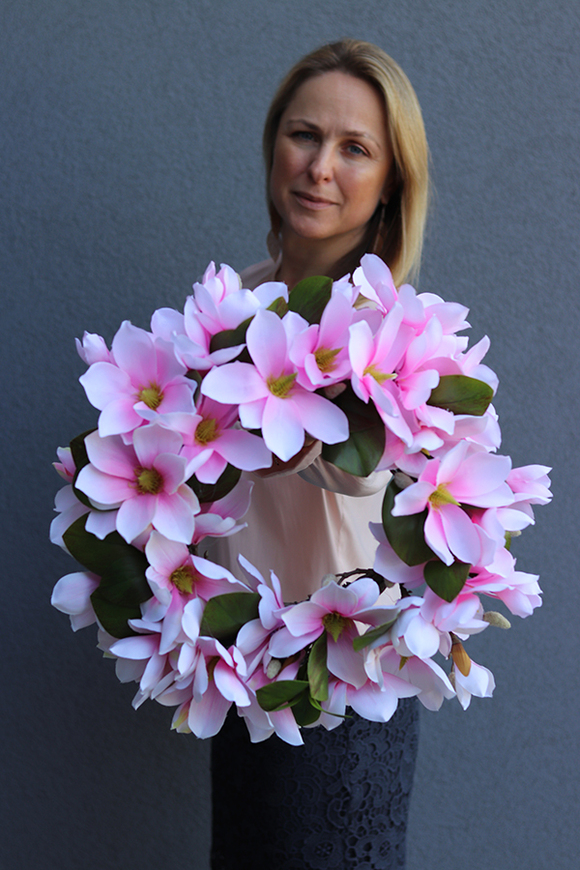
(258, 273)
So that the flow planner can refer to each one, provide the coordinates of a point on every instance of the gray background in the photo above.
(129, 157)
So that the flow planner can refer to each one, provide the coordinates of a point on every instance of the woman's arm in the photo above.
(327, 476)
(312, 468)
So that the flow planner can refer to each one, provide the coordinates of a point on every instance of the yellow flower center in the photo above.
(281, 386)
(335, 624)
(326, 358)
(151, 396)
(206, 431)
(149, 481)
(380, 377)
(183, 578)
(442, 496)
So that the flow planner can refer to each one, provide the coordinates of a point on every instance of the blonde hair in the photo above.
(396, 229)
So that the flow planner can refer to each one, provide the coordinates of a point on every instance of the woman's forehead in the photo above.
(348, 104)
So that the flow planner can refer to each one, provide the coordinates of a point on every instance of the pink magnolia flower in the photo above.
(262, 725)
(333, 609)
(530, 485)
(219, 302)
(479, 682)
(462, 477)
(375, 359)
(145, 481)
(69, 508)
(175, 577)
(268, 395)
(65, 467)
(212, 431)
(93, 349)
(520, 592)
(217, 683)
(254, 637)
(374, 280)
(192, 343)
(139, 659)
(425, 674)
(220, 518)
(373, 701)
(321, 350)
(145, 380)
(72, 595)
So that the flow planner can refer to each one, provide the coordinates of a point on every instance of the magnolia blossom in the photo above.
(424, 674)
(72, 595)
(321, 350)
(219, 518)
(374, 360)
(175, 576)
(460, 478)
(212, 431)
(333, 609)
(269, 397)
(217, 682)
(145, 380)
(219, 302)
(145, 481)
(520, 592)
(479, 682)
(93, 349)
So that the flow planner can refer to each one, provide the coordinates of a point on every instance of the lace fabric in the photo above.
(339, 801)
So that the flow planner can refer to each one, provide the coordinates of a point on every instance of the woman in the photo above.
(347, 169)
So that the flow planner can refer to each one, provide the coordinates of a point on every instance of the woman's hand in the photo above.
(299, 462)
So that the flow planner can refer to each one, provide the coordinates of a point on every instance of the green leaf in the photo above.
(121, 567)
(197, 377)
(230, 337)
(80, 458)
(279, 306)
(317, 669)
(305, 710)
(446, 581)
(371, 635)
(278, 695)
(209, 492)
(461, 395)
(361, 452)
(310, 297)
(225, 614)
(405, 534)
(79, 451)
(114, 617)
(112, 557)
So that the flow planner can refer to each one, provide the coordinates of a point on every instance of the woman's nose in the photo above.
(322, 165)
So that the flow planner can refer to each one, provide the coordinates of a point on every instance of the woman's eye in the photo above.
(303, 135)
(355, 150)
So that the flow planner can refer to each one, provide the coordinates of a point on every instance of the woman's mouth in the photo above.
(311, 201)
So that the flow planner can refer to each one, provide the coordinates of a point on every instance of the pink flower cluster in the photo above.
(180, 406)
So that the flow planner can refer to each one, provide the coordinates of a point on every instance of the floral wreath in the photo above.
(381, 377)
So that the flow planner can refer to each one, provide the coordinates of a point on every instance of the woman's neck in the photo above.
(302, 258)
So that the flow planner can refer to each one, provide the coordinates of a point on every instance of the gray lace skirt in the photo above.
(340, 801)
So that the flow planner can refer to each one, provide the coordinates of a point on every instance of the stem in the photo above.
(381, 581)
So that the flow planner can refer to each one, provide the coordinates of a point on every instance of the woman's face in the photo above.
(332, 160)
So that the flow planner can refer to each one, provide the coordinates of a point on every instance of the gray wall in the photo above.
(129, 156)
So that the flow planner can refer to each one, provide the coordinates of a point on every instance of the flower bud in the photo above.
(273, 668)
(497, 619)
